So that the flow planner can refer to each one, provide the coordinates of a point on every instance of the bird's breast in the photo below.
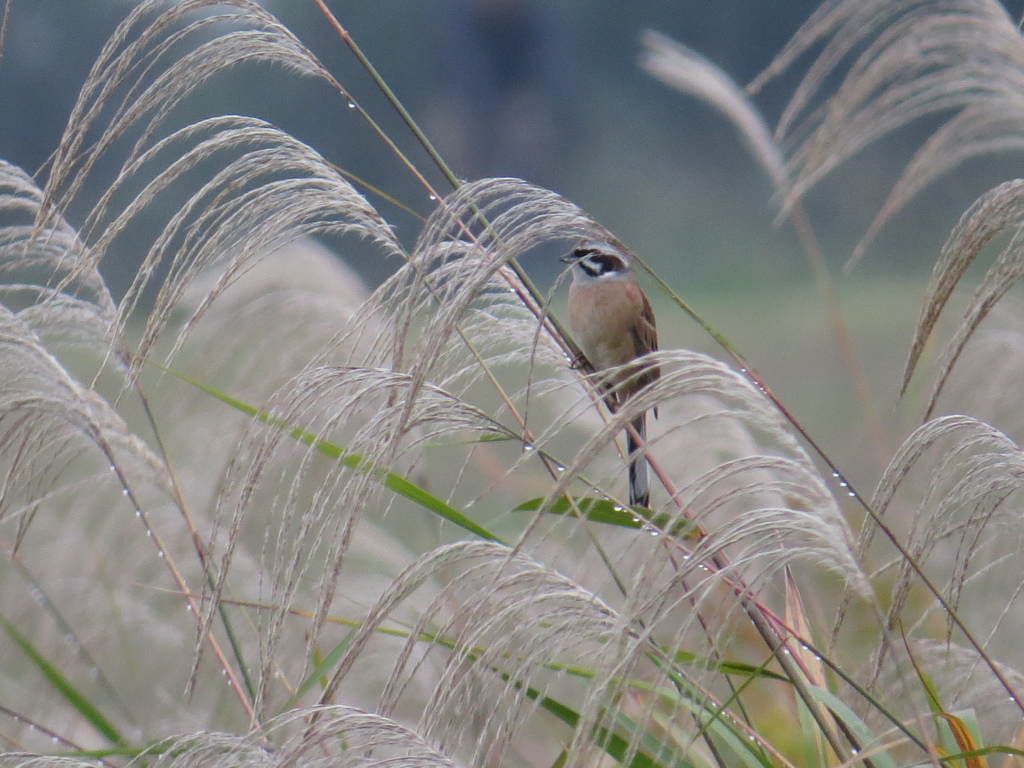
(603, 317)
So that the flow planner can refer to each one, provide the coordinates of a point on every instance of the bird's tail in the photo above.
(639, 488)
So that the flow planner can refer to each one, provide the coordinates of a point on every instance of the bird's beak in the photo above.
(569, 258)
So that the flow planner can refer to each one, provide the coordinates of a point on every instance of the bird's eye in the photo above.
(582, 253)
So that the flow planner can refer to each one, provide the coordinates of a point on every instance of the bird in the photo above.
(612, 321)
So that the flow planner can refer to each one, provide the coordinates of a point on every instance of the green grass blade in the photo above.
(319, 670)
(615, 745)
(713, 723)
(742, 669)
(955, 758)
(610, 513)
(857, 727)
(61, 684)
(652, 748)
(391, 481)
(748, 752)
(724, 730)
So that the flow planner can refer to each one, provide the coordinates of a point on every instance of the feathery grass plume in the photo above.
(998, 210)
(46, 414)
(461, 316)
(755, 492)
(520, 634)
(66, 457)
(510, 620)
(278, 190)
(688, 71)
(758, 510)
(343, 736)
(984, 382)
(69, 450)
(368, 740)
(308, 516)
(27, 760)
(303, 304)
(959, 685)
(37, 268)
(963, 528)
(269, 188)
(458, 262)
(910, 59)
(294, 307)
(147, 44)
(966, 685)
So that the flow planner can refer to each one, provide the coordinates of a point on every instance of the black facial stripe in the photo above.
(595, 263)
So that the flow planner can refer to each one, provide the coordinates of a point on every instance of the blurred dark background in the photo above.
(548, 90)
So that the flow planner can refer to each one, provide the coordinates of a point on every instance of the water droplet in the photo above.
(654, 531)
(124, 491)
(852, 493)
(432, 197)
(351, 104)
(559, 468)
(160, 554)
(528, 447)
(138, 513)
(113, 468)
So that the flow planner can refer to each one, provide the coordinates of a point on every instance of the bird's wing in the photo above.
(645, 339)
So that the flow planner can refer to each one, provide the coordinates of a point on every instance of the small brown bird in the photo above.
(613, 323)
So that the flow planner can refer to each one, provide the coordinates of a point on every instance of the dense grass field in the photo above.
(256, 513)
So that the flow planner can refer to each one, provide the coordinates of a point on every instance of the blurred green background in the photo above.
(663, 171)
